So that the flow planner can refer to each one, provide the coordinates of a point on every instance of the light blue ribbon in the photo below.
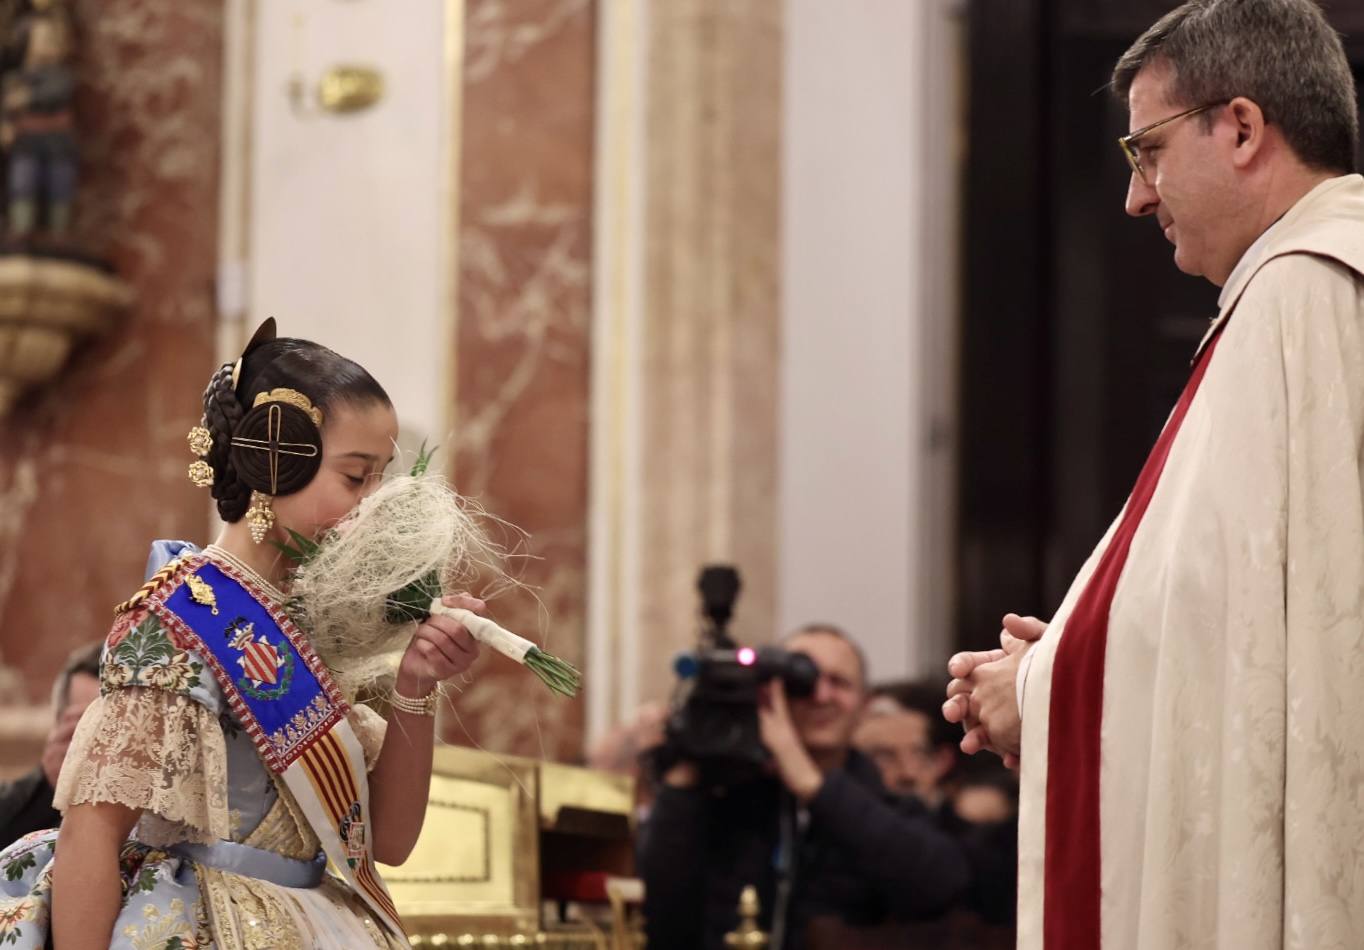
(165, 551)
(253, 862)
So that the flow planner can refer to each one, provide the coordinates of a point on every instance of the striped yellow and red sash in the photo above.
(284, 698)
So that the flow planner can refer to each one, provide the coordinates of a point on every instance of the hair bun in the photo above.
(276, 449)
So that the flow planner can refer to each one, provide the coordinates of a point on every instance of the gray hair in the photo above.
(1280, 54)
(838, 633)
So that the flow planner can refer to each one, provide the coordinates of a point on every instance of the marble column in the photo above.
(92, 468)
(685, 466)
(522, 344)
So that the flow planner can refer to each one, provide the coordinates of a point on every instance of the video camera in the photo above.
(714, 722)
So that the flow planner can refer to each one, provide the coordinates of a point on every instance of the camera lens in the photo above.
(799, 674)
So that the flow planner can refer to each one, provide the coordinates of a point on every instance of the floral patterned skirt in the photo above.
(173, 903)
(162, 908)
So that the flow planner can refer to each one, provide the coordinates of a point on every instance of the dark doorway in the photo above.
(1077, 328)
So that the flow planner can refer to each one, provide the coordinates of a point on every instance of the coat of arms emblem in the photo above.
(266, 670)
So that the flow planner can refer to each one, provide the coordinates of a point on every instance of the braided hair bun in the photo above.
(276, 449)
(327, 379)
(222, 412)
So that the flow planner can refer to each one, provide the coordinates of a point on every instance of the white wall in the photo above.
(867, 325)
(347, 220)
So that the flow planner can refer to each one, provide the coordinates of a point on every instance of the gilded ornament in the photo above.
(200, 441)
(293, 398)
(201, 474)
(201, 593)
(259, 518)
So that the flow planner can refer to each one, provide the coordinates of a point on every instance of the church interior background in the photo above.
(656, 278)
(669, 282)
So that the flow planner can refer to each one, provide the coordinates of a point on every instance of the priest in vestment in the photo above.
(1189, 725)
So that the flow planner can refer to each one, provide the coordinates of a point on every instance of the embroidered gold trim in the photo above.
(252, 575)
(305, 721)
(280, 830)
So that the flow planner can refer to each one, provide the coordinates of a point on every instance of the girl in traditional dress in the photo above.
(227, 790)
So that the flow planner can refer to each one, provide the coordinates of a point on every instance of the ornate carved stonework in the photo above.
(47, 306)
(92, 467)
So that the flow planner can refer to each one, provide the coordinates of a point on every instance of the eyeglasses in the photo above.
(1132, 151)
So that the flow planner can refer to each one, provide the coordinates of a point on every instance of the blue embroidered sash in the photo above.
(280, 692)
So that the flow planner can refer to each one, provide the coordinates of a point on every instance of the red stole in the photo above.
(1071, 900)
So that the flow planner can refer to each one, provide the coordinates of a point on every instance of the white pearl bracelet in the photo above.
(426, 706)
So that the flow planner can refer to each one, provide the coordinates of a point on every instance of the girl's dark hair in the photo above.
(328, 379)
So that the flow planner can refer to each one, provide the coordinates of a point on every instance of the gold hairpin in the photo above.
(201, 443)
(293, 398)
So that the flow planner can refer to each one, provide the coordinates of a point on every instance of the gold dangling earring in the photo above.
(259, 518)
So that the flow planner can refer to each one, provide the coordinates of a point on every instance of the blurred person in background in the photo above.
(916, 753)
(621, 750)
(26, 802)
(820, 838)
(975, 801)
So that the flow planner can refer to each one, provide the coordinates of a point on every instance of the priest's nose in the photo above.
(1142, 199)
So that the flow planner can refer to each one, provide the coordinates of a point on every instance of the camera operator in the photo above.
(819, 837)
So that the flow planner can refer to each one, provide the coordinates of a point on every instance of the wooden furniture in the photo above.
(519, 853)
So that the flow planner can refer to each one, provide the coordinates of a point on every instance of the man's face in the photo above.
(825, 721)
(899, 743)
(80, 693)
(1189, 184)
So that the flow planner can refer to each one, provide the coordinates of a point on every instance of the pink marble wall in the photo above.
(523, 341)
(93, 468)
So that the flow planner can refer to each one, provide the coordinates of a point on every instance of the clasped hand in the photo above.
(982, 695)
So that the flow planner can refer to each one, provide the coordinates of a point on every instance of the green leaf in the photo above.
(413, 602)
(423, 461)
(146, 880)
(301, 551)
(15, 869)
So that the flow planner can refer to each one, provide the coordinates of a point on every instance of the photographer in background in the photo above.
(919, 755)
(819, 837)
(26, 802)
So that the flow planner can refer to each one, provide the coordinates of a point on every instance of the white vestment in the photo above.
(1231, 744)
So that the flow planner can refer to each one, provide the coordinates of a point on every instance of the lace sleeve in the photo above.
(154, 750)
(370, 728)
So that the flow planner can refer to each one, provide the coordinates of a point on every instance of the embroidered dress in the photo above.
(224, 854)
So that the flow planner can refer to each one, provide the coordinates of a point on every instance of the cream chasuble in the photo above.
(1193, 741)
